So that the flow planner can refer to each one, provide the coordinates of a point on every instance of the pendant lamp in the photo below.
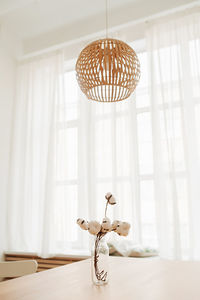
(107, 70)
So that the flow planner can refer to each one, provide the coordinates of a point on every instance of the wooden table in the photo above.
(130, 279)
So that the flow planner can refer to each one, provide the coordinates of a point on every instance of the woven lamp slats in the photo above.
(108, 70)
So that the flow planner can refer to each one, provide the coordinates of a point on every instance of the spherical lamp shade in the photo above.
(108, 70)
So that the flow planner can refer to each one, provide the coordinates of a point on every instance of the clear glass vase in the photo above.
(99, 260)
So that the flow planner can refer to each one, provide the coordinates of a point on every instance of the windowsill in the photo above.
(72, 254)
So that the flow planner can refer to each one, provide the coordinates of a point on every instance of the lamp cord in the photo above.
(107, 18)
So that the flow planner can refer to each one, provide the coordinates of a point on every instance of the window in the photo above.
(110, 154)
(120, 151)
(67, 168)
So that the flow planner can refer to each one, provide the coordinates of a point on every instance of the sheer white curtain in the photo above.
(67, 152)
(31, 199)
(96, 154)
(174, 73)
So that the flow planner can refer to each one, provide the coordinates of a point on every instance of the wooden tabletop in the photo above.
(130, 279)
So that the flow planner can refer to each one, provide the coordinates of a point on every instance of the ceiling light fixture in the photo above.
(107, 70)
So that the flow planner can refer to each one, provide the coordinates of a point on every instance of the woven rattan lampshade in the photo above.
(108, 70)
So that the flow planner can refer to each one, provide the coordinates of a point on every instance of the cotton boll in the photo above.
(126, 225)
(79, 221)
(106, 225)
(83, 224)
(120, 230)
(115, 224)
(110, 198)
(108, 195)
(123, 232)
(94, 227)
(123, 228)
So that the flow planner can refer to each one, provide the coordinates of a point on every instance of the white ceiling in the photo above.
(33, 17)
(43, 23)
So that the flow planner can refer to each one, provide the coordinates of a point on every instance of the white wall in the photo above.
(7, 90)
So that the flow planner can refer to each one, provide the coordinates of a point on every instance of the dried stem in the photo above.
(106, 208)
(100, 275)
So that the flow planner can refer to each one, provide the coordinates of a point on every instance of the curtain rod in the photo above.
(111, 30)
